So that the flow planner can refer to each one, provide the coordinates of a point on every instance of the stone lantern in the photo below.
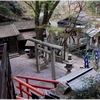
(69, 63)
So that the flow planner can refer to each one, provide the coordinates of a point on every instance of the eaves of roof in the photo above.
(93, 31)
(8, 31)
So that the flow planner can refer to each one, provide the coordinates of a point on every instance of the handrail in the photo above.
(32, 86)
(39, 79)
(21, 83)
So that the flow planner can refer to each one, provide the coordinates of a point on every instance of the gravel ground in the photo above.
(22, 65)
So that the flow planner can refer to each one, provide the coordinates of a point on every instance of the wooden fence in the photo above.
(6, 84)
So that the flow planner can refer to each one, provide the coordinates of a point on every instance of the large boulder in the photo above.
(62, 90)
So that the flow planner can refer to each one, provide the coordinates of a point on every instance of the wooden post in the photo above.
(45, 54)
(37, 58)
(53, 63)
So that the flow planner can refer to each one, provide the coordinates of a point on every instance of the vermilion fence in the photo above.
(7, 90)
(32, 86)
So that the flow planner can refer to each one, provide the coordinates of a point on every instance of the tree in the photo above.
(73, 10)
(47, 8)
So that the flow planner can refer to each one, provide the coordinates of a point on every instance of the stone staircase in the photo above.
(13, 55)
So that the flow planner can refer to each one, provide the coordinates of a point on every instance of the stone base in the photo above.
(43, 66)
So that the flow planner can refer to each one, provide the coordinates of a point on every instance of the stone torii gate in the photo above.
(53, 47)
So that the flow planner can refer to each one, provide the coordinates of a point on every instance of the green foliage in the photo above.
(90, 89)
(30, 12)
(92, 5)
(52, 29)
(10, 8)
(5, 11)
(51, 4)
(60, 31)
(19, 10)
(43, 3)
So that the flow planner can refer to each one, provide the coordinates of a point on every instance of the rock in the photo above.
(62, 90)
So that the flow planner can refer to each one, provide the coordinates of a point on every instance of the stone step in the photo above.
(13, 55)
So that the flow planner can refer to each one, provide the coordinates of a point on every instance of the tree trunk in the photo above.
(65, 45)
(39, 33)
(40, 27)
(78, 43)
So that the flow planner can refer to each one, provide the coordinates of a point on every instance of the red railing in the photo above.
(31, 86)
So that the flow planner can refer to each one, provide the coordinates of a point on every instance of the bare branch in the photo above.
(80, 6)
(30, 5)
(52, 9)
(45, 18)
(37, 10)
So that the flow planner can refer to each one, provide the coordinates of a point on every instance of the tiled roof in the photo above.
(93, 31)
(8, 31)
(22, 25)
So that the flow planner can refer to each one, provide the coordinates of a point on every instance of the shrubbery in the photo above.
(90, 89)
